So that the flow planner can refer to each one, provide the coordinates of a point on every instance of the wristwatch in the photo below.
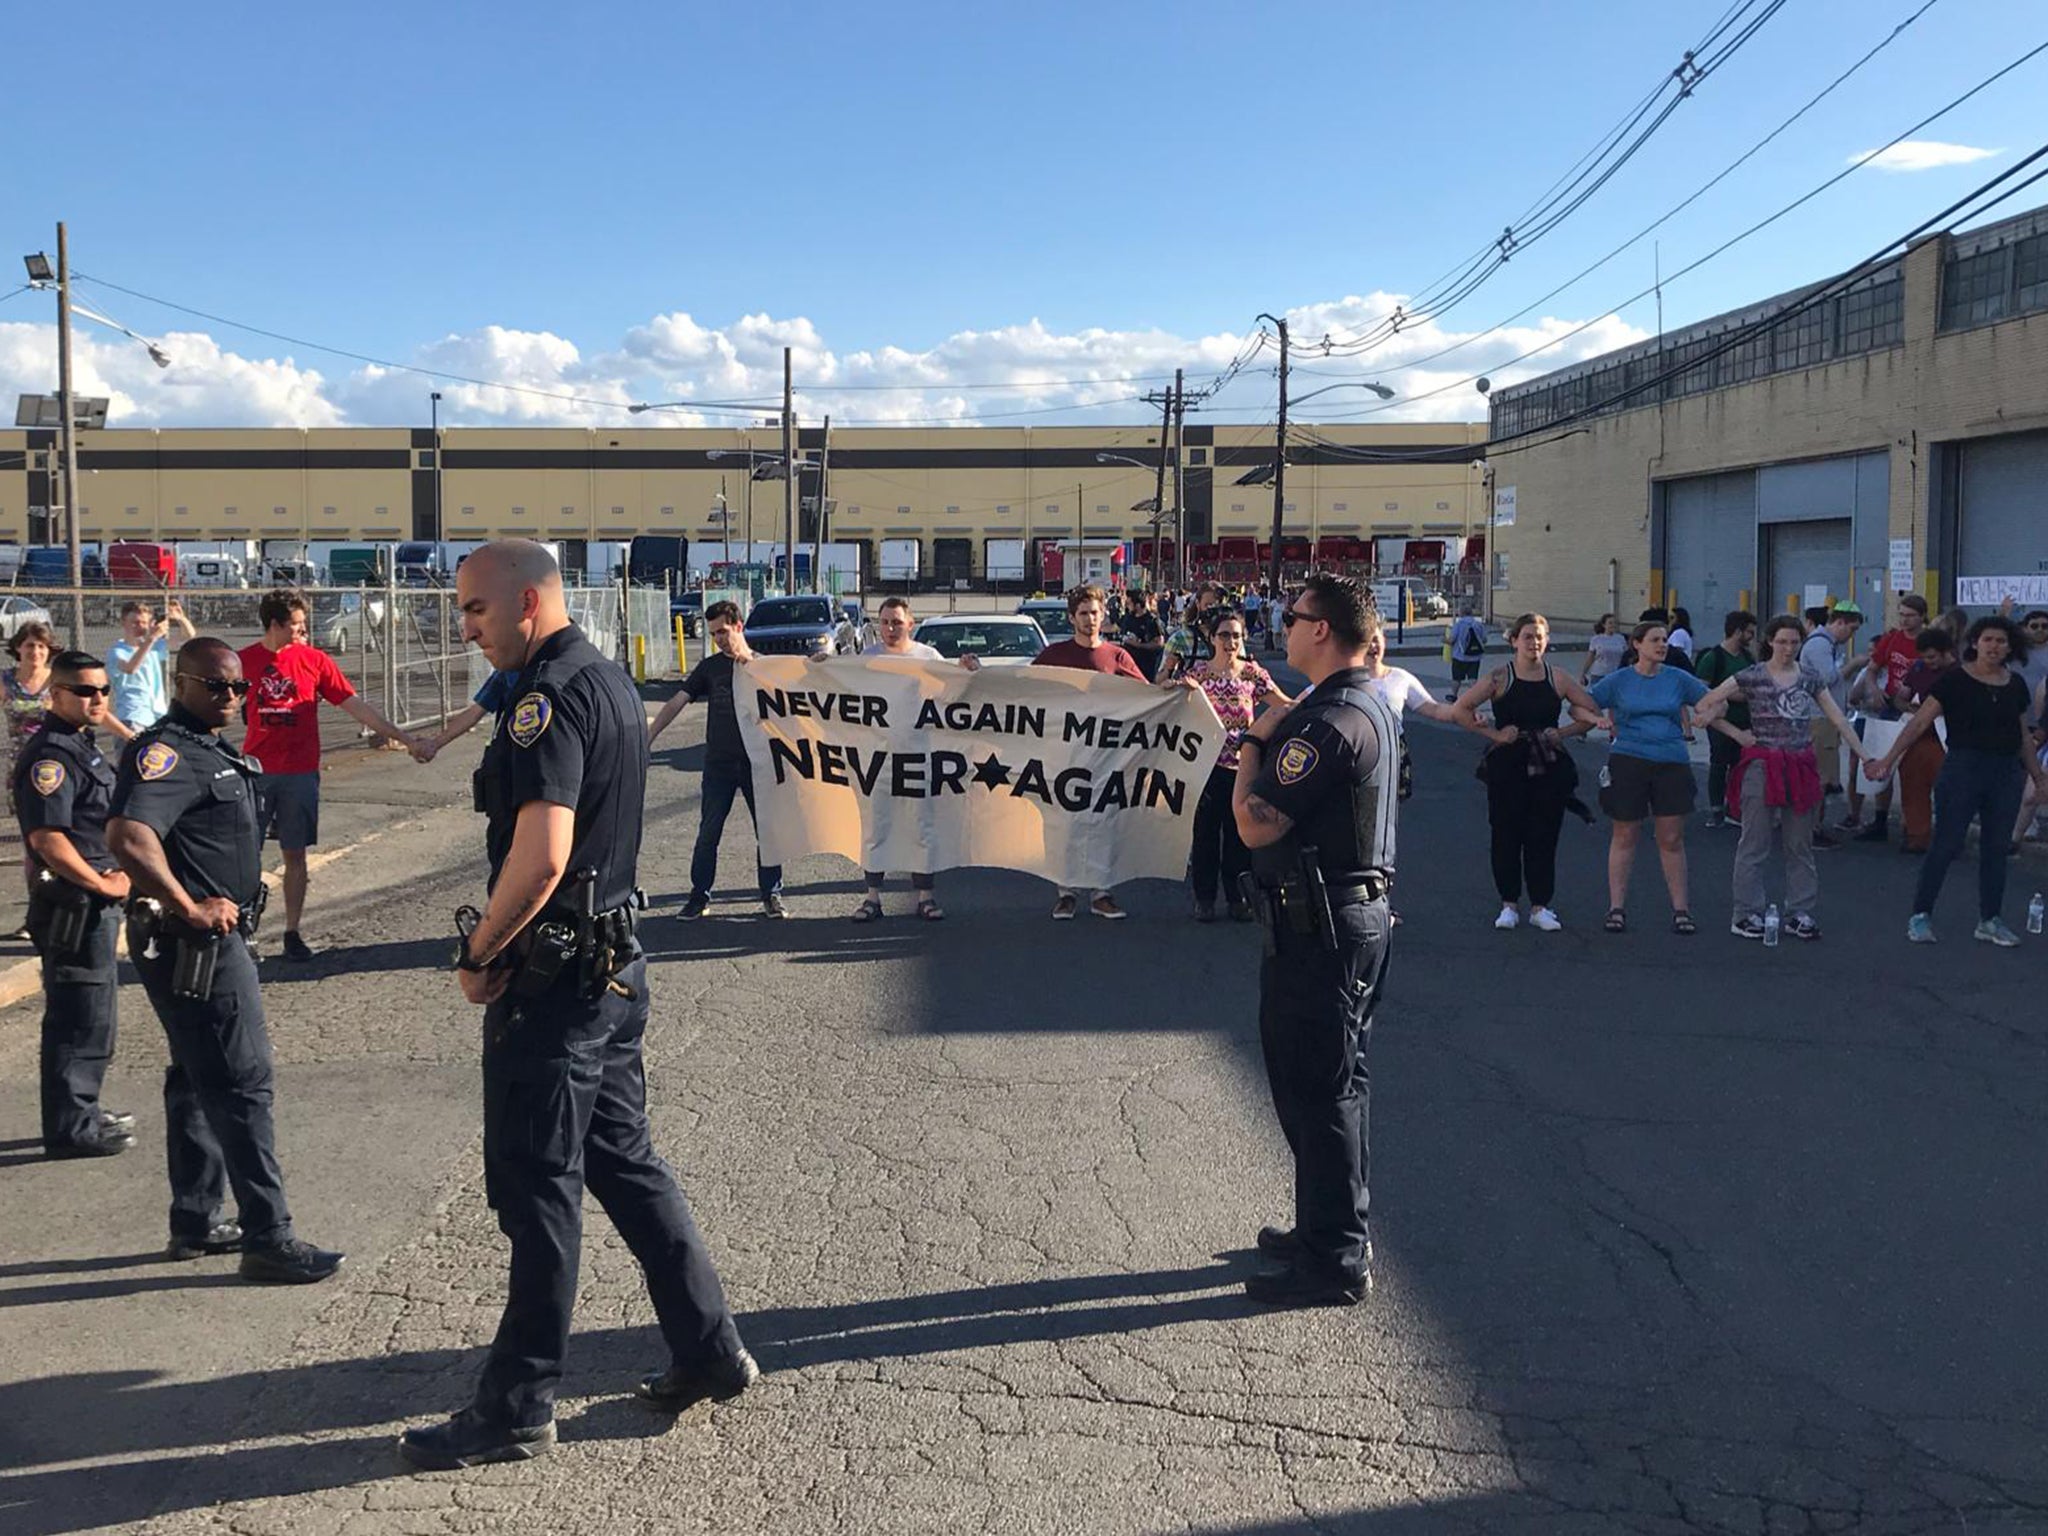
(463, 962)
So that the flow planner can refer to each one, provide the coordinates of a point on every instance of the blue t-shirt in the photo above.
(496, 692)
(1648, 711)
(139, 697)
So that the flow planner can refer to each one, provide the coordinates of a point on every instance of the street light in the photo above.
(1377, 388)
(1157, 503)
(762, 464)
(440, 518)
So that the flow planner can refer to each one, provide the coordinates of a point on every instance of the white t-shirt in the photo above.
(914, 650)
(1682, 638)
(1398, 688)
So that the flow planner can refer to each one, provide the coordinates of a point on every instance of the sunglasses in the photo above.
(219, 687)
(87, 690)
(1292, 615)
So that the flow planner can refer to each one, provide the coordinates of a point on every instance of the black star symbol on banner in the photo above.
(990, 771)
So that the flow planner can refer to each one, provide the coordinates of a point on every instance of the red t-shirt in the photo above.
(285, 690)
(1895, 651)
(1105, 657)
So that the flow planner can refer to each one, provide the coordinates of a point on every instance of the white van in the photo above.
(211, 570)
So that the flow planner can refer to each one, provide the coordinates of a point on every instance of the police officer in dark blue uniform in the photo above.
(564, 988)
(184, 828)
(1315, 800)
(62, 788)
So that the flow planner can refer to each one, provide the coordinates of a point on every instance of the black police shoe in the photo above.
(221, 1237)
(118, 1120)
(680, 1386)
(695, 905)
(289, 1263)
(296, 948)
(100, 1141)
(1296, 1282)
(1280, 1242)
(471, 1440)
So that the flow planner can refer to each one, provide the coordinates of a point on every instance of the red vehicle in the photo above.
(148, 566)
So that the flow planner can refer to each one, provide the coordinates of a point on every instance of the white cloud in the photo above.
(1040, 376)
(1922, 155)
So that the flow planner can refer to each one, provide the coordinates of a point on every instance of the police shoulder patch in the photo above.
(530, 719)
(157, 760)
(47, 776)
(1295, 762)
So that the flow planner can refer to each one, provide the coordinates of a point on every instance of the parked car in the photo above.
(17, 613)
(996, 639)
(1388, 592)
(343, 622)
(800, 626)
(688, 609)
(1050, 614)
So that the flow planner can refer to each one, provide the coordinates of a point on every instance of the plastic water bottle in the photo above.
(1771, 926)
(2036, 910)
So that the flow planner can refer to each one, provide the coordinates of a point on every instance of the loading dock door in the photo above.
(2003, 516)
(1811, 554)
(1709, 545)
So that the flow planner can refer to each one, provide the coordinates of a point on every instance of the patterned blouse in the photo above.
(24, 712)
(1235, 699)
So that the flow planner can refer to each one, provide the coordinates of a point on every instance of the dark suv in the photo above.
(800, 626)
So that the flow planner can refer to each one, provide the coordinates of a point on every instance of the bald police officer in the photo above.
(184, 828)
(1315, 802)
(62, 789)
(563, 983)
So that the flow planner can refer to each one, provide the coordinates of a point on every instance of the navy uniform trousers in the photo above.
(218, 1129)
(565, 1108)
(1315, 1021)
(78, 1026)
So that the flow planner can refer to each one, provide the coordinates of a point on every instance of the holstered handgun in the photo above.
(1264, 900)
(1314, 903)
(72, 909)
(252, 914)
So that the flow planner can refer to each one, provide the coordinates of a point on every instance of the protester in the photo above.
(1681, 632)
(1920, 767)
(1087, 651)
(1956, 621)
(1649, 772)
(893, 624)
(1235, 687)
(490, 699)
(287, 680)
(726, 770)
(1893, 655)
(25, 697)
(1604, 650)
(1735, 654)
(2034, 673)
(1984, 704)
(1775, 784)
(1826, 652)
(138, 664)
(1142, 634)
(1531, 781)
(1467, 642)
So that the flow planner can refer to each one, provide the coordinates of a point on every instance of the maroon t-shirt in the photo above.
(1105, 657)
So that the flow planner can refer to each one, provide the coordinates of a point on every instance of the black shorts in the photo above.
(1637, 787)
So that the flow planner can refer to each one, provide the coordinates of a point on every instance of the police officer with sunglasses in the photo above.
(184, 828)
(62, 790)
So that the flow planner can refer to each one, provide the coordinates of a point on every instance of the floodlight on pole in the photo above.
(39, 269)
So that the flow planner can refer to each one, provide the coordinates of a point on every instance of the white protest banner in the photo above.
(1990, 591)
(1084, 778)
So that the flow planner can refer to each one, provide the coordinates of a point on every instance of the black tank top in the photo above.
(1529, 707)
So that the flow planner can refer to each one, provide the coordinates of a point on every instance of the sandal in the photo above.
(930, 911)
(1681, 922)
(868, 911)
(1617, 921)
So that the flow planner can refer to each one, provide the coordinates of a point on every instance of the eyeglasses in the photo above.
(219, 687)
(1234, 635)
(1288, 619)
(87, 690)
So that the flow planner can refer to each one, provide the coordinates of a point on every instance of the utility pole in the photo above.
(789, 474)
(1279, 470)
(1159, 494)
(1080, 537)
(1180, 504)
(818, 526)
(68, 423)
(725, 519)
(440, 519)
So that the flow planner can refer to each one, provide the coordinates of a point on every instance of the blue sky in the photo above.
(538, 195)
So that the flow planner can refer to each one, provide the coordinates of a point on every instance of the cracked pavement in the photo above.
(1673, 1235)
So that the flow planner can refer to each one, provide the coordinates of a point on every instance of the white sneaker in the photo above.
(1544, 918)
(1510, 917)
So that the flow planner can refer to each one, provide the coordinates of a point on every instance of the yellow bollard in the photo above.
(639, 658)
(682, 650)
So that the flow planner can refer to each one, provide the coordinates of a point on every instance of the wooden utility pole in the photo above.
(1159, 493)
(1279, 467)
(789, 473)
(67, 420)
(1180, 515)
(818, 523)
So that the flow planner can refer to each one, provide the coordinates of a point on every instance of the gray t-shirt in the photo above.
(1781, 715)
(1823, 657)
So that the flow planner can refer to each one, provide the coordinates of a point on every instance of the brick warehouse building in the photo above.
(1902, 423)
(958, 492)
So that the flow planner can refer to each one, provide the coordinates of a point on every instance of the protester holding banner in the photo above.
(726, 770)
(1235, 687)
(893, 624)
(1920, 768)
(1087, 651)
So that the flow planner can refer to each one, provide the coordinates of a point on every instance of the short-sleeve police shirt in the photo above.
(198, 795)
(63, 784)
(575, 734)
(1307, 770)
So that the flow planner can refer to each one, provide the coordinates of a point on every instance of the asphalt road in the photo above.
(1674, 1234)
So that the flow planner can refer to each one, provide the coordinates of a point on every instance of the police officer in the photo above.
(184, 828)
(563, 985)
(62, 788)
(1315, 801)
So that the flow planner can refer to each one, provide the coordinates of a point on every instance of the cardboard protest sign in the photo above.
(1084, 778)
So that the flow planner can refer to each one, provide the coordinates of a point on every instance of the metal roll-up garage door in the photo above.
(1709, 545)
(2002, 506)
(1807, 560)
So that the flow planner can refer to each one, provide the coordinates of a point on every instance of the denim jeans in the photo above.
(721, 782)
(1973, 784)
